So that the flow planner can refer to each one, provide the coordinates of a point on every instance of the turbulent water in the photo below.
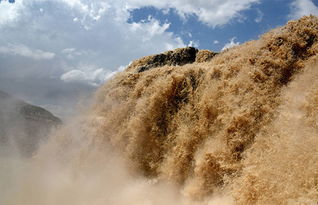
(239, 127)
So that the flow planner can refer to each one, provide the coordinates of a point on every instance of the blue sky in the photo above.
(259, 18)
(54, 52)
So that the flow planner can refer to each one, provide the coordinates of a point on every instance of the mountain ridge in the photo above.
(24, 125)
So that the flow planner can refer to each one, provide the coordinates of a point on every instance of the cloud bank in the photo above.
(63, 43)
(301, 8)
(213, 13)
(22, 50)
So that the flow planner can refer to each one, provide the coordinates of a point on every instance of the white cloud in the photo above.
(259, 17)
(149, 29)
(301, 8)
(72, 52)
(230, 44)
(216, 42)
(9, 12)
(22, 50)
(100, 34)
(89, 11)
(211, 12)
(74, 75)
(195, 44)
(72, 33)
(89, 75)
(94, 78)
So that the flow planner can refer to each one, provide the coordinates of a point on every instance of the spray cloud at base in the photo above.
(191, 127)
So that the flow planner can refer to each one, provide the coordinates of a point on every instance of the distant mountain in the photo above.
(23, 126)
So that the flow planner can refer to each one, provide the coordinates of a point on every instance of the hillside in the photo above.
(23, 126)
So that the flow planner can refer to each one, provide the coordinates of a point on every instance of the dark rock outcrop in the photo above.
(177, 57)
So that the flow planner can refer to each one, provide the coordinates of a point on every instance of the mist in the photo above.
(74, 169)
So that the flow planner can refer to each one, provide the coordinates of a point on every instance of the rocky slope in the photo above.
(23, 126)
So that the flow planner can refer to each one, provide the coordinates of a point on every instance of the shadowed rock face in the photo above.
(23, 126)
(179, 56)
